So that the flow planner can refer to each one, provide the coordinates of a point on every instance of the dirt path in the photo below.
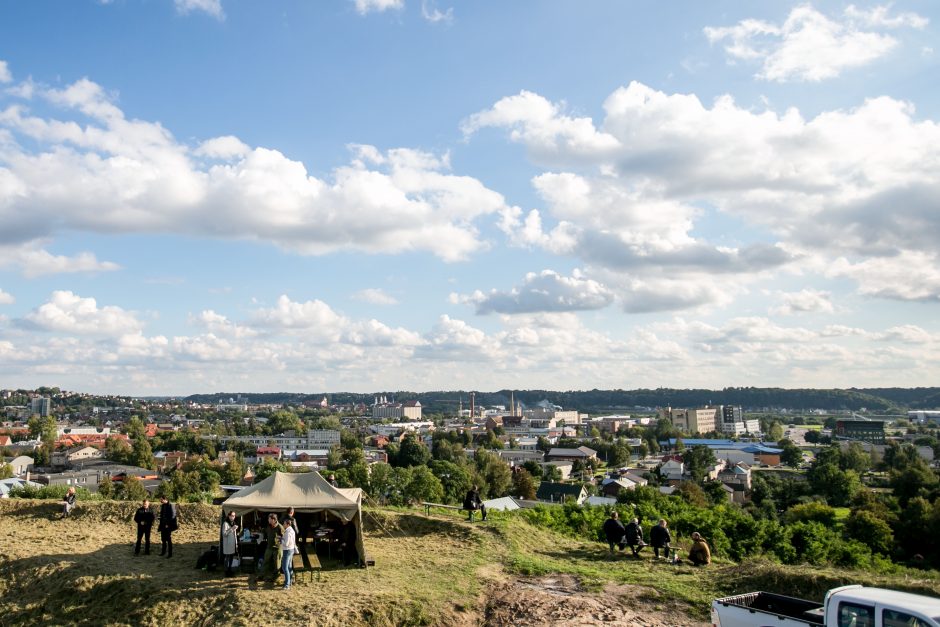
(559, 600)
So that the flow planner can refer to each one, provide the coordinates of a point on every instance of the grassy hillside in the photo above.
(429, 571)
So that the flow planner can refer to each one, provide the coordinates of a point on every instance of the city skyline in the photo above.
(356, 195)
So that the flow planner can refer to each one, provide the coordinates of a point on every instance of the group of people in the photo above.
(168, 523)
(631, 535)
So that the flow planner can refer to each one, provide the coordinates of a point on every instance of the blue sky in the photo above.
(364, 195)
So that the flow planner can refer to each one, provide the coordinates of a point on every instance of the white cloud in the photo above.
(858, 183)
(879, 16)
(431, 13)
(368, 6)
(66, 312)
(804, 301)
(104, 173)
(911, 275)
(6, 298)
(5, 75)
(543, 292)
(227, 147)
(218, 324)
(212, 7)
(375, 296)
(809, 46)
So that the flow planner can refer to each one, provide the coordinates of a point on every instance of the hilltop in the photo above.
(429, 571)
(851, 399)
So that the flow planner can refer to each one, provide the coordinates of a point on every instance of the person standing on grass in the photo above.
(288, 543)
(699, 554)
(269, 564)
(168, 524)
(68, 502)
(144, 518)
(229, 542)
(660, 538)
(614, 531)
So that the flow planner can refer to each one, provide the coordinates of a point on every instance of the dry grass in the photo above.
(82, 571)
(429, 571)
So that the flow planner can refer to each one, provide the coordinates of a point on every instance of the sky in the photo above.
(368, 195)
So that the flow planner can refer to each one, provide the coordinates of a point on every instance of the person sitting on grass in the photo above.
(68, 502)
(614, 531)
(633, 536)
(699, 553)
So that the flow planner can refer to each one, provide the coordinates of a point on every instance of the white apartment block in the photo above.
(409, 410)
(313, 439)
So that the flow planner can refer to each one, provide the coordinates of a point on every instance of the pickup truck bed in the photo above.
(766, 608)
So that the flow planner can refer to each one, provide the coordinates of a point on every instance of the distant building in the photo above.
(41, 405)
(409, 410)
(733, 421)
(700, 420)
(581, 453)
(872, 431)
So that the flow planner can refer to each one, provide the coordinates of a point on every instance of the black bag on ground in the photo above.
(209, 560)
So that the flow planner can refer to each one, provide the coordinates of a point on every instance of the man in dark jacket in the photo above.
(472, 502)
(633, 535)
(660, 538)
(167, 526)
(270, 563)
(614, 531)
(144, 518)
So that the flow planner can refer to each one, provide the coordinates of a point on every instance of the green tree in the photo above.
(106, 488)
(117, 450)
(268, 467)
(412, 452)
(423, 486)
(551, 473)
(854, 457)
(533, 468)
(141, 454)
(790, 453)
(916, 479)
(692, 494)
(496, 478)
(132, 489)
(869, 530)
(6, 471)
(455, 480)
(135, 429)
(523, 485)
(698, 461)
(812, 512)
(775, 432)
(282, 420)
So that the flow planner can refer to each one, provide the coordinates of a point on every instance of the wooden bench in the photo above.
(309, 563)
(459, 508)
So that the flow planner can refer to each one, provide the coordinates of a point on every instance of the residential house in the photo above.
(582, 453)
(65, 458)
(561, 492)
(21, 464)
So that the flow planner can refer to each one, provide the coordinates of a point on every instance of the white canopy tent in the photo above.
(307, 493)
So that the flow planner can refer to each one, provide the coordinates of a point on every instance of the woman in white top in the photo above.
(288, 543)
(229, 542)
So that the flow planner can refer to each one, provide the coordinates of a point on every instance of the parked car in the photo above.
(848, 606)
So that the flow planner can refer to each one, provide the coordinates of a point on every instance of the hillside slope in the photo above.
(429, 571)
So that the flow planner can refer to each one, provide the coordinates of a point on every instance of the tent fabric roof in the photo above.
(305, 492)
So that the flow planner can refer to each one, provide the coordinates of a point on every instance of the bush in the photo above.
(56, 492)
